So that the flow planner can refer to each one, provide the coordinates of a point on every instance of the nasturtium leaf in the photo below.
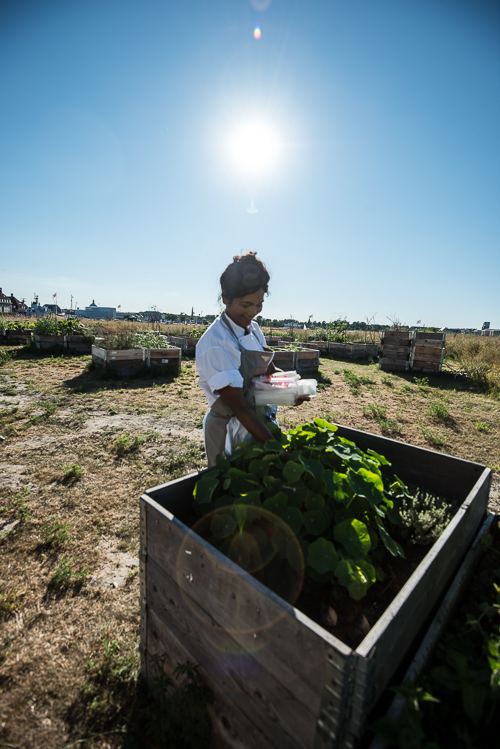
(277, 500)
(292, 471)
(292, 516)
(223, 524)
(313, 501)
(294, 494)
(322, 557)
(390, 544)
(325, 425)
(357, 575)
(314, 522)
(367, 484)
(354, 537)
(312, 466)
(205, 487)
(381, 458)
(258, 468)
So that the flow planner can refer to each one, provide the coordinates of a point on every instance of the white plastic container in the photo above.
(281, 389)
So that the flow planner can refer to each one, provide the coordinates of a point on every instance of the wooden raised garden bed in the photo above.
(395, 350)
(78, 344)
(18, 336)
(353, 350)
(306, 361)
(48, 341)
(280, 679)
(427, 352)
(128, 362)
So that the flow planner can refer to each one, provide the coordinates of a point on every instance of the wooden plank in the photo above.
(230, 726)
(421, 352)
(430, 336)
(393, 634)
(126, 355)
(248, 611)
(402, 334)
(231, 668)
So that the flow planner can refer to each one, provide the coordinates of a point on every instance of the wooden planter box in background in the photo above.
(129, 362)
(18, 336)
(353, 350)
(395, 350)
(306, 362)
(126, 362)
(48, 341)
(427, 352)
(179, 341)
(321, 346)
(164, 360)
(279, 679)
(77, 344)
(284, 359)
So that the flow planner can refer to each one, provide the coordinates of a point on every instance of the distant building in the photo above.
(53, 308)
(95, 312)
(18, 306)
(5, 304)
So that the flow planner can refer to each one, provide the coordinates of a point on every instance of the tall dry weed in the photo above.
(479, 356)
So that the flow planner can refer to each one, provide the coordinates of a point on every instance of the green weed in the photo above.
(439, 411)
(481, 426)
(433, 438)
(55, 533)
(72, 472)
(65, 575)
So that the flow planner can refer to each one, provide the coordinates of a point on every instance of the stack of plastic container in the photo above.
(281, 389)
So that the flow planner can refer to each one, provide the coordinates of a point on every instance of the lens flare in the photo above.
(257, 33)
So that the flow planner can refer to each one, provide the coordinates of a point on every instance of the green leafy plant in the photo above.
(424, 515)
(355, 381)
(55, 533)
(72, 472)
(439, 411)
(324, 510)
(65, 575)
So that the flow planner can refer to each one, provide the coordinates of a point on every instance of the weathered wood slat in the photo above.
(254, 689)
(251, 613)
(421, 352)
(402, 334)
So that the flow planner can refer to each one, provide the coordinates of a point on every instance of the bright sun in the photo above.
(254, 147)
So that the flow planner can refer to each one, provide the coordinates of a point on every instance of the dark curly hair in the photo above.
(245, 275)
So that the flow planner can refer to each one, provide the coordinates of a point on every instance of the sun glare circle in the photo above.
(254, 146)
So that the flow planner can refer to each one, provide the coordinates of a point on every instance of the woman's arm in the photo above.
(236, 401)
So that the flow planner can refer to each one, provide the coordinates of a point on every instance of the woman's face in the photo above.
(243, 309)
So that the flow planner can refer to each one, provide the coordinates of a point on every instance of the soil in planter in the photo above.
(349, 620)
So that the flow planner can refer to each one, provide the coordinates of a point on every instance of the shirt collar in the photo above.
(240, 332)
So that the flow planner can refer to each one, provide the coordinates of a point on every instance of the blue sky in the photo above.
(366, 176)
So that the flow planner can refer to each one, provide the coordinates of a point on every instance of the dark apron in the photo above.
(253, 364)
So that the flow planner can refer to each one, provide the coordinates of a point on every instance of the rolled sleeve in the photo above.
(219, 380)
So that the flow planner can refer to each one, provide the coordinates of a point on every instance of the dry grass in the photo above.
(79, 451)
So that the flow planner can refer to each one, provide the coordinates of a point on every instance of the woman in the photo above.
(229, 354)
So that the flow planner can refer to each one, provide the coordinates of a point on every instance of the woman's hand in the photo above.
(301, 399)
(236, 401)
